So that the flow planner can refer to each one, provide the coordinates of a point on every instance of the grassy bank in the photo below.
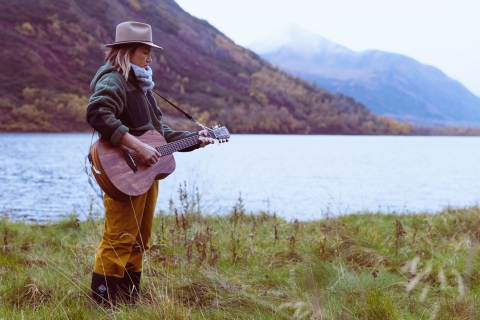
(244, 266)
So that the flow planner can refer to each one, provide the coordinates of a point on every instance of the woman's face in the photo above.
(141, 56)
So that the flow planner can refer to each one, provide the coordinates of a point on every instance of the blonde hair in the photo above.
(119, 57)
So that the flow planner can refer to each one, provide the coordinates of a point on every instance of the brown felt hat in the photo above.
(133, 32)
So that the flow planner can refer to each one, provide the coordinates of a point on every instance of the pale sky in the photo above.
(441, 33)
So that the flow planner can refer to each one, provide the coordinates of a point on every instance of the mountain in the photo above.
(391, 85)
(51, 49)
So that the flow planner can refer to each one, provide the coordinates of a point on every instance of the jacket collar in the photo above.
(132, 78)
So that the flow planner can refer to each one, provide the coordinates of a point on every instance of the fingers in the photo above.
(205, 141)
(149, 154)
(203, 133)
(155, 157)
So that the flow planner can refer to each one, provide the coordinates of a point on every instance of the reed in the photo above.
(255, 266)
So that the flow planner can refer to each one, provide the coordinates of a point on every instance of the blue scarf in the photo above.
(144, 77)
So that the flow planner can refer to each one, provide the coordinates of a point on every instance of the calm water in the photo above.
(42, 176)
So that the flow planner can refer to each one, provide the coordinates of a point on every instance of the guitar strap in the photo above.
(183, 112)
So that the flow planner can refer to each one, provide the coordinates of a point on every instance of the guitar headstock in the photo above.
(219, 133)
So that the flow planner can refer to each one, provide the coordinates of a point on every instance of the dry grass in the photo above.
(244, 266)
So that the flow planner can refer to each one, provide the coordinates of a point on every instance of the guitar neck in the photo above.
(174, 146)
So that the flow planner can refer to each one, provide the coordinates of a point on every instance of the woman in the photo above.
(122, 107)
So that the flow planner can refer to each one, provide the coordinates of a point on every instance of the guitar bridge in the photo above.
(130, 161)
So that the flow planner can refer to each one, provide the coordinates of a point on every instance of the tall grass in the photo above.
(255, 266)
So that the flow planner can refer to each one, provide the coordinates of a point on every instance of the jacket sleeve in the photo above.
(105, 106)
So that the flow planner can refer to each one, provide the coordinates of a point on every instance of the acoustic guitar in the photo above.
(121, 173)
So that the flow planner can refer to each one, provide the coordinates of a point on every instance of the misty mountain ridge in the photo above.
(389, 84)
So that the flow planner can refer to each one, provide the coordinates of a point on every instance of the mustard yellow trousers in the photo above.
(126, 233)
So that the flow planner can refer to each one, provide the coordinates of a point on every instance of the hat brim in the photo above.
(126, 42)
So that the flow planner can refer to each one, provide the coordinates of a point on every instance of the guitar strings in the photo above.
(184, 143)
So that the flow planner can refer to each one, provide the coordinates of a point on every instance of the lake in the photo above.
(43, 176)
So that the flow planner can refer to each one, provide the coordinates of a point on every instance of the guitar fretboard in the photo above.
(174, 146)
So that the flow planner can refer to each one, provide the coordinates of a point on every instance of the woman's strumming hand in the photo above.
(149, 154)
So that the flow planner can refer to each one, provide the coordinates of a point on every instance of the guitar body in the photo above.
(118, 178)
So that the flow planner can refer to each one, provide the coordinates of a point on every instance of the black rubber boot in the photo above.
(129, 287)
(104, 289)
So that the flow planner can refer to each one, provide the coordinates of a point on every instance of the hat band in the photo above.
(127, 41)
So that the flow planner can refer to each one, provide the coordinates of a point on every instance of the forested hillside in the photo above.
(50, 50)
